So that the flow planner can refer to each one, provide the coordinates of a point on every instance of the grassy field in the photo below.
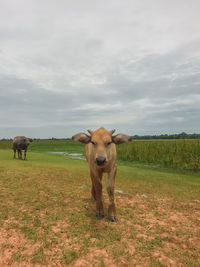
(49, 146)
(176, 154)
(47, 218)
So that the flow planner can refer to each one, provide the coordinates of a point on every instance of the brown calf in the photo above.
(100, 153)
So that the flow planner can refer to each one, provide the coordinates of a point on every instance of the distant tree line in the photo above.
(182, 135)
(53, 138)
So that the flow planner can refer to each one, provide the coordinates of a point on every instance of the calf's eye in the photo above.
(108, 143)
(93, 143)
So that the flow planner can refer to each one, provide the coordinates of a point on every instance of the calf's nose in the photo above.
(100, 160)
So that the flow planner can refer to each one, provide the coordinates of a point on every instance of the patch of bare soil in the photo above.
(93, 257)
(11, 243)
(166, 261)
(170, 234)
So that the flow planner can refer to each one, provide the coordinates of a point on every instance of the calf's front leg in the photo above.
(96, 177)
(93, 194)
(110, 189)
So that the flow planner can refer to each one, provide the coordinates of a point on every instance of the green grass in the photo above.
(176, 154)
(49, 146)
(56, 146)
(47, 218)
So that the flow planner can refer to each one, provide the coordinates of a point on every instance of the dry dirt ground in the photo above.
(48, 219)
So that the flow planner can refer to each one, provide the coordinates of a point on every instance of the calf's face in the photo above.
(102, 144)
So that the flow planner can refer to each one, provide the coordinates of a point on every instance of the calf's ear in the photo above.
(81, 137)
(121, 138)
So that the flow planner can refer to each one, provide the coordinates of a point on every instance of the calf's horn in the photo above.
(112, 132)
(89, 131)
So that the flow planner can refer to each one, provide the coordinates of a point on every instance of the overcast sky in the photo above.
(68, 66)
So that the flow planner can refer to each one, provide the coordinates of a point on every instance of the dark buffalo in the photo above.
(21, 143)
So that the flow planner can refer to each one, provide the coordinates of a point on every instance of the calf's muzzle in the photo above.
(100, 161)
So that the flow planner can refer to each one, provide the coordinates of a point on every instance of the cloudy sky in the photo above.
(71, 65)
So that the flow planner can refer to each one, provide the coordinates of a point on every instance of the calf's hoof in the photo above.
(93, 199)
(99, 215)
(113, 219)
